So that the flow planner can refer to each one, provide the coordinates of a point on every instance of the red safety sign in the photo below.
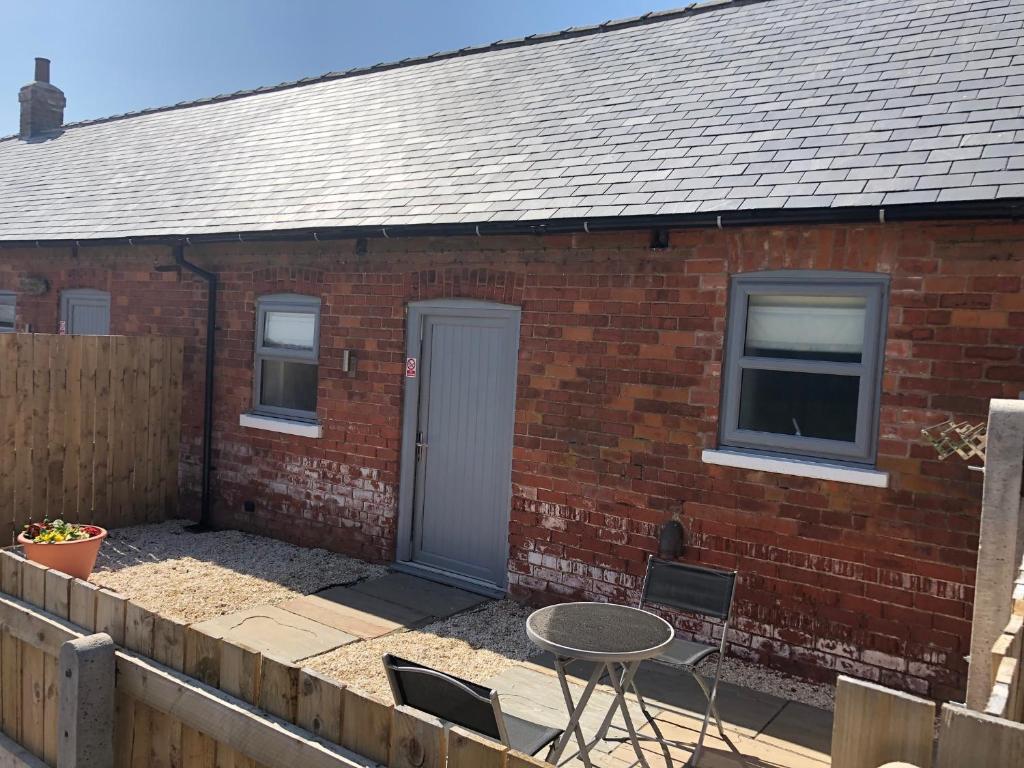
(410, 367)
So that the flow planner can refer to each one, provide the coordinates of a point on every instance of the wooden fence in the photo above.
(874, 725)
(184, 698)
(1007, 697)
(90, 429)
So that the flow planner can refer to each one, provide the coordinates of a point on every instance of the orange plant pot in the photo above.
(75, 558)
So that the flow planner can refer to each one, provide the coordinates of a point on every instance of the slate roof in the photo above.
(733, 105)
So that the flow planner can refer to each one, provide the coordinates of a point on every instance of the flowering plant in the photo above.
(57, 531)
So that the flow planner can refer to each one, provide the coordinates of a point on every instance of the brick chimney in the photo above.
(42, 104)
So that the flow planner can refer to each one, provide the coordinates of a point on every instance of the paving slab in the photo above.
(746, 711)
(354, 613)
(533, 693)
(801, 728)
(437, 600)
(276, 632)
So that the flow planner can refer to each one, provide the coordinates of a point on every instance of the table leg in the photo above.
(575, 712)
(631, 670)
(621, 686)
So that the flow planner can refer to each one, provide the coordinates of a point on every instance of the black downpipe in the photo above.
(205, 519)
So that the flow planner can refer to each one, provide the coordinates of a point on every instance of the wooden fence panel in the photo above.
(91, 429)
(1006, 697)
(874, 725)
(969, 738)
(8, 409)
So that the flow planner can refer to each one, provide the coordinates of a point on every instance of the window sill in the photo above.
(818, 470)
(283, 426)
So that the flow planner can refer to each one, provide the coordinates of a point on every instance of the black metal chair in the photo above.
(700, 591)
(463, 703)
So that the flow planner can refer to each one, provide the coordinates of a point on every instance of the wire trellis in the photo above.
(962, 438)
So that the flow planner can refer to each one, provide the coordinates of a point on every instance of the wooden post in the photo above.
(279, 688)
(874, 725)
(467, 749)
(110, 614)
(320, 705)
(83, 604)
(366, 725)
(86, 714)
(519, 760)
(418, 740)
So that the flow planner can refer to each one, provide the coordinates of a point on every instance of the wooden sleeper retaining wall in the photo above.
(184, 698)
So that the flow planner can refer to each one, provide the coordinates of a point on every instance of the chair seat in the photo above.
(686, 653)
(529, 737)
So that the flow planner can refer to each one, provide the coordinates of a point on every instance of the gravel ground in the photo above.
(478, 644)
(195, 577)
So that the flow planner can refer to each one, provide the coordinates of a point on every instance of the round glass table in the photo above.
(615, 638)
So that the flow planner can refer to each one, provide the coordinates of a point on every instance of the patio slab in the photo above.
(746, 711)
(801, 728)
(533, 693)
(417, 594)
(355, 613)
(769, 731)
(276, 632)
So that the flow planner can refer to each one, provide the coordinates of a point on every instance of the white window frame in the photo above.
(9, 299)
(284, 302)
(874, 288)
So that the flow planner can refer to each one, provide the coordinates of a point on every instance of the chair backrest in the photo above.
(689, 588)
(445, 696)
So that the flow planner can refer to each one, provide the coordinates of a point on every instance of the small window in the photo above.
(7, 307)
(803, 364)
(287, 356)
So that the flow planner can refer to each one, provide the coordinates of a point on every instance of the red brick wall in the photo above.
(618, 390)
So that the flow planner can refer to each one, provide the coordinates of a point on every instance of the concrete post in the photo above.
(1001, 543)
(85, 719)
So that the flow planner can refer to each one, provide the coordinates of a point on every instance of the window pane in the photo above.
(6, 314)
(288, 385)
(289, 330)
(808, 404)
(806, 327)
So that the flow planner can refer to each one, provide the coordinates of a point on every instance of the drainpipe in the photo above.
(205, 521)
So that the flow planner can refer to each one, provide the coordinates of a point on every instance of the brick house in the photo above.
(498, 315)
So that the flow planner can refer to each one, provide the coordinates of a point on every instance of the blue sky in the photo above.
(112, 56)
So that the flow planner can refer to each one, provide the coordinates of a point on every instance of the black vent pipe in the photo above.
(205, 519)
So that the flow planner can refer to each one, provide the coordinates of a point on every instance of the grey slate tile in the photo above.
(979, 165)
(864, 198)
(851, 187)
(897, 184)
(1000, 178)
(968, 193)
(904, 198)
